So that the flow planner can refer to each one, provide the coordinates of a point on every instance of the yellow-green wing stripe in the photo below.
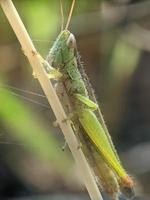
(97, 134)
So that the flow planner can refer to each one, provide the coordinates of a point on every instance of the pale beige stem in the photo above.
(36, 62)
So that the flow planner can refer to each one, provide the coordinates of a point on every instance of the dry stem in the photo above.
(36, 62)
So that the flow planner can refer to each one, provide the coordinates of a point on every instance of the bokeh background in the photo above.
(113, 38)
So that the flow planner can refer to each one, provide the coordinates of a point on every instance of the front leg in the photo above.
(52, 73)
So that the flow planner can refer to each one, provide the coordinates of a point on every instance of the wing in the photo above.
(97, 135)
(93, 98)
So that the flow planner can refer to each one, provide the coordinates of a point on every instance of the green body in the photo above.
(63, 58)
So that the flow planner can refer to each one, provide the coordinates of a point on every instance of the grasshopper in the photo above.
(77, 97)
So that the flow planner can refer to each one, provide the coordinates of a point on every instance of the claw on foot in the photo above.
(64, 146)
(34, 74)
(66, 120)
(79, 146)
(56, 123)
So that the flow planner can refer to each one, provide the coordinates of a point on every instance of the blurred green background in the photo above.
(113, 39)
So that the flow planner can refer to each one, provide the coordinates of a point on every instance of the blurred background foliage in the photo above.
(113, 38)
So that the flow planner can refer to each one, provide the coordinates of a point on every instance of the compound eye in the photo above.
(71, 42)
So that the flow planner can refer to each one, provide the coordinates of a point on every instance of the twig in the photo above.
(36, 62)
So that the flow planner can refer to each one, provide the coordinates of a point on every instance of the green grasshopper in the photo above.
(77, 97)
(93, 134)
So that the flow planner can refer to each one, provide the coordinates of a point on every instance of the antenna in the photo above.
(70, 14)
(62, 15)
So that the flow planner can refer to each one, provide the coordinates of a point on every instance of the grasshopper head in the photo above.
(62, 50)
